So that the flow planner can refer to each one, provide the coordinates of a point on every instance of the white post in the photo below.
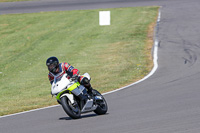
(104, 18)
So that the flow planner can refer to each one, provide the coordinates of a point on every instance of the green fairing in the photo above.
(71, 88)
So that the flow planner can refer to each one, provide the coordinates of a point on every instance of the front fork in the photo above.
(82, 98)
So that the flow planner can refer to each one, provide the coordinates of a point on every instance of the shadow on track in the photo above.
(83, 116)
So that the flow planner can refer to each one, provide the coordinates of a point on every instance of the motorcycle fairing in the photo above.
(88, 106)
(70, 89)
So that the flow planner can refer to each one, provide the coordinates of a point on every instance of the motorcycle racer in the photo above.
(55, 68)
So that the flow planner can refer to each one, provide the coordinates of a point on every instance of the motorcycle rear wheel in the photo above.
(72, 110)
(102, 105)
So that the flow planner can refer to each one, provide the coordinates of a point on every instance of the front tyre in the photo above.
(72, 110)
(102, 106)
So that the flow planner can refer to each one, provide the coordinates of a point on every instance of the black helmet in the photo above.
(52, 64)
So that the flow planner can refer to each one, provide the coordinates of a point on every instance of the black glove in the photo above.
(74, 77)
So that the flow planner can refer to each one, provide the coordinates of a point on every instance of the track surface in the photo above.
(167, 102)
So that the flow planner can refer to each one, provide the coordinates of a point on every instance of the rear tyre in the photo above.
(101, 104)
(72, 110)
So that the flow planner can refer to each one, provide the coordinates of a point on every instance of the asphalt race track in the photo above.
(167, 102)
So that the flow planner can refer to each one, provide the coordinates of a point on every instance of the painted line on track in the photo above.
(155, 58)
(155, 61)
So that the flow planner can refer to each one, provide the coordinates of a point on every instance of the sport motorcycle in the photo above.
(74, 97)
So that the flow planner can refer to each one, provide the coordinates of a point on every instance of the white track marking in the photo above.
(28, 111)
(155, 59)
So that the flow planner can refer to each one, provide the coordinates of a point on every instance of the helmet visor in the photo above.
(52, 67)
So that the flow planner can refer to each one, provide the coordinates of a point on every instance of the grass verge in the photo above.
(114, 55)
(13, 0)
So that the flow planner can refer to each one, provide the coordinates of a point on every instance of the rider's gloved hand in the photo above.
(75, 77)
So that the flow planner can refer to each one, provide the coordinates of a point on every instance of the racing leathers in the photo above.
(71, 72)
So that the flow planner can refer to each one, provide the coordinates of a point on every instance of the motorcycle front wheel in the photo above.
(73, 110)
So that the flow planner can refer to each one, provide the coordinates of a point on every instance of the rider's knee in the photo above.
(85, 81)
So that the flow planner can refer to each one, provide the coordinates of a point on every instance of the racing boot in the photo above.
(86, 83)
(90, 90)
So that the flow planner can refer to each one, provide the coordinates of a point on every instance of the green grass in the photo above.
(114, 55)
(14, 0)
